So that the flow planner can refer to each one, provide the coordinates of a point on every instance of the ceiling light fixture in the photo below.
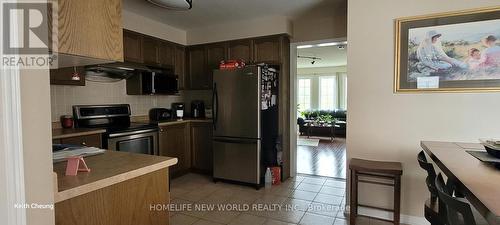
(305, 46)
(309, 57)
(173, 4)
(328, 44)
(331, 44)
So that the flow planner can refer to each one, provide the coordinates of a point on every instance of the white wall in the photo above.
(242, 29)
(309, 27)
(154, 28)
(318, 25)
(388, 126)
(37, 145)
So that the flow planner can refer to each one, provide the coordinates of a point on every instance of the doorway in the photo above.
(319, 80)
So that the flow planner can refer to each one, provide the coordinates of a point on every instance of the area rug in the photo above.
(308, 142)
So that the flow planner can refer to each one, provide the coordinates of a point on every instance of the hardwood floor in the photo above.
(327, 159)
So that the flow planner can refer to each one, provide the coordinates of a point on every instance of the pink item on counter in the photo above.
(76, 164)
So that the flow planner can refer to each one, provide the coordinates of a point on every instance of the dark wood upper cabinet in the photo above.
(267, 50)
(157, 52)
(197, 68)
(215, 54)
(132, 46)
(180, 66)
(165, 53)
(194, 65)
(63, 76)
(150, 47)
(240, 49)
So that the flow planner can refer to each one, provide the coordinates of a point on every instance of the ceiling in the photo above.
(211, 12)
(330, 56)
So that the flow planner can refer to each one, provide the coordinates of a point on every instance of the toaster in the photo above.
(159, 114)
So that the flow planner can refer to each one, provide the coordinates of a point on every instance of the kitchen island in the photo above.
(121, 189)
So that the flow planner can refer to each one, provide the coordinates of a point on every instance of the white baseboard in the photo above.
(377, 213)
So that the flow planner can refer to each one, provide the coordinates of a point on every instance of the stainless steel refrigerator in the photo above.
(245, 124)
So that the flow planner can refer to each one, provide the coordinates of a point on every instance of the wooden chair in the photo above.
(434, 211)
(386, 173)
(458, 210)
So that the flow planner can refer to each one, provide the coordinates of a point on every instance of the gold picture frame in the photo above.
(405, 56)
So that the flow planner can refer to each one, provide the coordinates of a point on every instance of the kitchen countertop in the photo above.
(58, 133)
(105, 170)
(173, 121)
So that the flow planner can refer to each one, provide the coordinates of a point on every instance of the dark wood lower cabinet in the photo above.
(201, 147)
(190, 143)
(175, 142)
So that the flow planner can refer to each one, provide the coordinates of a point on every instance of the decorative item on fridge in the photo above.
(269, 88)
(231, 64)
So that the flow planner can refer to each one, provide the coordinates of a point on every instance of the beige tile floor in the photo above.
(307, 200)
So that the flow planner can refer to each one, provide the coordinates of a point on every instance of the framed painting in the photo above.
(448, 52)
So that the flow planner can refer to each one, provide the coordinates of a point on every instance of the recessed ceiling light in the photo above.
(305, 46)
(173, 4)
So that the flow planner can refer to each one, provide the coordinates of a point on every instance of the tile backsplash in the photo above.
(94, 93)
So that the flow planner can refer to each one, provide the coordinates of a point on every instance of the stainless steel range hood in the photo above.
(112, 72)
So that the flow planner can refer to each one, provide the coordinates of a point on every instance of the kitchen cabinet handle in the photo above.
(162, 130)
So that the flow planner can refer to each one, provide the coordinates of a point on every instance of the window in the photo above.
(304, 98)
(328, 93)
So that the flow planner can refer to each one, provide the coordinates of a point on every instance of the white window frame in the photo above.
(335, 92)
(310, 91)
(11, 156)
(344, 90)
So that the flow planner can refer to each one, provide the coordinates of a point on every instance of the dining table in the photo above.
(478, 181)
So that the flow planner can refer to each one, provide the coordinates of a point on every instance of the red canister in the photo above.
(67, 121)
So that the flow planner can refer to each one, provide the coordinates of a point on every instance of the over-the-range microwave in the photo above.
(154, 81)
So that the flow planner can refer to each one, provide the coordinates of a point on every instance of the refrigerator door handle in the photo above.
(236, 141)
(215, 106)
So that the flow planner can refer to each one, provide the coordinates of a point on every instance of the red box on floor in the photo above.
(276, 174)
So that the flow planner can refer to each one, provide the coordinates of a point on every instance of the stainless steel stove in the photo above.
(121, 134)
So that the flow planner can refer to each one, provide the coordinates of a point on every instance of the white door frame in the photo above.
(12, 190)
(293, 97)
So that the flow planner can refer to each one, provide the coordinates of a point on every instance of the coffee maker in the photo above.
(197, 109)
(177, 110)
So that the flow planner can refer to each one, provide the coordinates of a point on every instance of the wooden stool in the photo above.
(389, 174)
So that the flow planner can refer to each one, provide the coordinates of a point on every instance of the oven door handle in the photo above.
(132, 133)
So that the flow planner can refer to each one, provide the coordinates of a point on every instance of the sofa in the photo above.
(338, 114)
